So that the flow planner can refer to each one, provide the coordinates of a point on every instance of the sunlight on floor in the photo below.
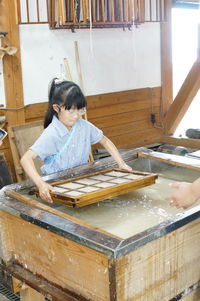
(185, 43)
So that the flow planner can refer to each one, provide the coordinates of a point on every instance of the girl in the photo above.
(66, 139)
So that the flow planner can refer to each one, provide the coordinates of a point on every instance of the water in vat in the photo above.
(131, 213)
(134, 212)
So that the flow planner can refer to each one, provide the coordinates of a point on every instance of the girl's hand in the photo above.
(183, 197)
(44, 191)
(124, 166)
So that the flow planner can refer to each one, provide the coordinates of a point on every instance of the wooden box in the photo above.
(89, 189)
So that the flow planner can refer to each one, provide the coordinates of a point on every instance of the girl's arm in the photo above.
(29, 167)
(186, 194)
(111, 148)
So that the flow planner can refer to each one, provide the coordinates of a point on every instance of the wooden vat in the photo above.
(69, 259)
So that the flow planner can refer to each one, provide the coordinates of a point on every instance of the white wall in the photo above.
(111, 59)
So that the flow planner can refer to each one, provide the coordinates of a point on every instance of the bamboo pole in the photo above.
(61, 12)
(38, 10)
(91, 158)
(93, 11)
(112, 8)
(27, 10)
(120, 10)
(67, 69)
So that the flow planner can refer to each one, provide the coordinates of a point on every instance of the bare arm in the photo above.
(186, 194)
(29, 167)
(111, 148)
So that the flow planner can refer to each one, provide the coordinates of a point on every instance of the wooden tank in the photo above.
(63, 257)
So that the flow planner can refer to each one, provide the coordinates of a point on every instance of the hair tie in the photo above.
(59, 80)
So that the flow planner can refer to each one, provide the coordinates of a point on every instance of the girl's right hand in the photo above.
(44, 191)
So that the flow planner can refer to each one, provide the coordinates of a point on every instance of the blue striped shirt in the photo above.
(55, 136)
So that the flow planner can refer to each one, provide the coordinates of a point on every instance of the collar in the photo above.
(59, 126)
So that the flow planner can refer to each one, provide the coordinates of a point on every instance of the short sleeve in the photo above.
(44, 146)
(95, 134)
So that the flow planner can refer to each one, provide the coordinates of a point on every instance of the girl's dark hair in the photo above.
(66, 94)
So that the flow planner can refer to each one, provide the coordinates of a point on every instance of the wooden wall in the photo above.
(123, 116)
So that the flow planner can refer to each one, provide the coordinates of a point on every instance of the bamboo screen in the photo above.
(90, 13)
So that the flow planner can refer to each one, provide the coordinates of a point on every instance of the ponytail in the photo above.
(50, 111)
(49, 116)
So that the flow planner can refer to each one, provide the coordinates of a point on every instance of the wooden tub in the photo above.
(65, 258)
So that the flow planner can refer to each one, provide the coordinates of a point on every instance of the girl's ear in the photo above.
(56, 108)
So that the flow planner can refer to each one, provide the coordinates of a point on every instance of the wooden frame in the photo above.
(109, 13)
(103, 185)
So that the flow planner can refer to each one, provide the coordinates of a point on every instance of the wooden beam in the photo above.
(183, 99)
(185, 142)
(176, 160)
(12, 64)
(166, 60)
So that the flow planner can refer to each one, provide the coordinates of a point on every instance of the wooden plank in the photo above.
(27, 293)
(137, 139)
(101, 100)
(176, 160)
(12, 64)
(39, 284)
(118, 109)
(127, 128)
(34, 111)
(149, 271)
(59, 260)
(183, 99)
(39, 205)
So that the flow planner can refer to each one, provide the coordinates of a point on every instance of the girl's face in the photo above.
(69, 117)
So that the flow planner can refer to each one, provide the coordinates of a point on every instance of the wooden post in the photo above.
(183, 99)
(12, 64)
(166, 60)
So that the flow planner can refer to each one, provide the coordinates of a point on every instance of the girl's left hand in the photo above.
(125, 166)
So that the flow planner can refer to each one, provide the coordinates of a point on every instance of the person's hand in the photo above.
(44, 191)
(1, 142)
(124, 166)
(183, 197)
